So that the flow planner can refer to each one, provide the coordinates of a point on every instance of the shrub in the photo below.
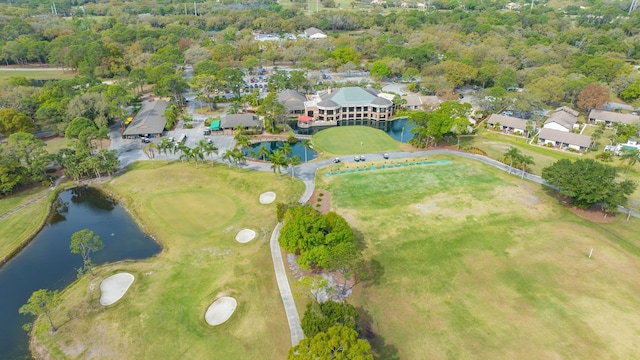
(281, 209)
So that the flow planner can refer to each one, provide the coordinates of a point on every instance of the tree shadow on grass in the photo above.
(381, 350)
(359, 239)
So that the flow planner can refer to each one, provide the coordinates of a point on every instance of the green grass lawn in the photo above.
(479, 264)
(55, 144)
(496, 144)
(350, 140)
(23, 224)
(195, 215)
(39, 74)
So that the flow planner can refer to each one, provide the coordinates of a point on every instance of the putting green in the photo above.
(348, 140)
(207, 210)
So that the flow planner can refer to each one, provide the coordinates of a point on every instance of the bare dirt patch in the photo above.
(321, 201)
(593, 213)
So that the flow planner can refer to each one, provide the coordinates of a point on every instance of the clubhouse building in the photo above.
(343, 107)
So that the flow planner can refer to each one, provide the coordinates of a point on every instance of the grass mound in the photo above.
(348, 140)
(478, 264)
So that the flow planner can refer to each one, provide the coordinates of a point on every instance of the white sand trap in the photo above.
(114, 287)
(245, 235)
(220, 311)
(268, 197)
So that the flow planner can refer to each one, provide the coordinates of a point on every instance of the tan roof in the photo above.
(564, 137)
(613, 117)
(510, 121)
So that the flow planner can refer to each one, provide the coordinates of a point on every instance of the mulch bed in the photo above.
(594, 213)
(320, 202)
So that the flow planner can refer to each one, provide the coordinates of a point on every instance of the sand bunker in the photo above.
(246, 235)
(114, 287)
(268, 197)
(220, 311)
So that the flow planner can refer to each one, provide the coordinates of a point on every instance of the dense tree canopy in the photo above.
(313, 235)
(587, 182)
(320, 316)
(338, 342)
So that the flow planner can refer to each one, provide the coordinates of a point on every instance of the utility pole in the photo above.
(185, 9)
(195, 9)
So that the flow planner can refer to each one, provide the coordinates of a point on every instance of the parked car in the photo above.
(356, 158)
(362, 158)
(145, 140)
(207, 132)
(336, 160)
(385, 155)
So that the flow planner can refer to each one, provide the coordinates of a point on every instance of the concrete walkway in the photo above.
(285, 290)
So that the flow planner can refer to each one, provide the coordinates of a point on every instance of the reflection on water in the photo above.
(47, 263)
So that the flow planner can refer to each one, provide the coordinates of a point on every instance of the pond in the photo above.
(47, 263)
(400, 130)
(297, 149)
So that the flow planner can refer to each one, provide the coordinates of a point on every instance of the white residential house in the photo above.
(562, 119)
(509, 123)
(315, 33)
(610, 117)
(563, 139)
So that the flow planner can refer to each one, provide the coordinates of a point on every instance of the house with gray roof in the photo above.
(349, 106)
(610, 117)
(149, 121)
(563, 139)
(293, 101)
(509, 123)
(246, 121)
(562, 119)
(314, 33)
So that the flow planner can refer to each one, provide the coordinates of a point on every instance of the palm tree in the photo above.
(164, 147)
(228, 156)
(243, 142)
(209, 149)
(187, 153)
(183, 149)
(525, 161)
(278, 159)
(632, 157)
(293, 162)
(306, 143)
(512, 155)
(196, 153)
(286, 148)
(150, 151)
(238, 157)
(263, 152)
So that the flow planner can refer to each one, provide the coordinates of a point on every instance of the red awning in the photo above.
(305, 118)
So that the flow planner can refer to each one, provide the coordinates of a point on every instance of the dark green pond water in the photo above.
(47, 263)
